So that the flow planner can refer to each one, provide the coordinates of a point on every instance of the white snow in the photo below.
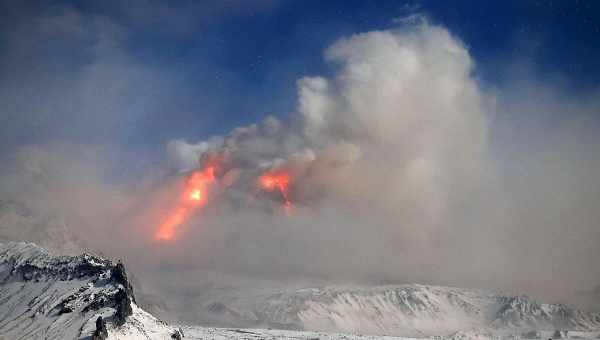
(43, 296)
(402, 310)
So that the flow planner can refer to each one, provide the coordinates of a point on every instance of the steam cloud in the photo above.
(377, 156)
(396, 178)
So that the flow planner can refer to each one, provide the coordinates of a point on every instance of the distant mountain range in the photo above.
(43, 296)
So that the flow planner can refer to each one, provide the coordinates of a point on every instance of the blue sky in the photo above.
(136, 74)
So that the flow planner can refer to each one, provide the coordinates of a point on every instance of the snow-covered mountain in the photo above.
(43, 296)
(406, 310)
(67, 297)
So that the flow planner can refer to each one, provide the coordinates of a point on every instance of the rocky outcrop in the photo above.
(101, 333)
(51, 292)
(524, 313)
(122, 306)
(119, 275)
(177, 335)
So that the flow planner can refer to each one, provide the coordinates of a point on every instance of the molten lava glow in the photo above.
(194, 195)
(166, 231)
(277, 181)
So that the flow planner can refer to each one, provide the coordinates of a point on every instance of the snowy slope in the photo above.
(406, 310)
(43, 296)
(60, 297)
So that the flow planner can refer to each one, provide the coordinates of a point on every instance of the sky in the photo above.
(459, 137)
(189, 69)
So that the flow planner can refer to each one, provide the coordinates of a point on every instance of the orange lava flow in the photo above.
(193, 196)
(277, 181)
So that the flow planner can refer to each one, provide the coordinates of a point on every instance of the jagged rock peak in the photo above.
(55, 289)
(101, 333)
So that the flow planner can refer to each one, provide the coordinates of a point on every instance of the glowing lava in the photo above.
(277, 181)
(194, 195)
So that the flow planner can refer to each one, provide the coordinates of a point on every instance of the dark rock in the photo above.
(99, 301)
(101, 333)
(177, 335)
(119, 275)
(65, 309)
(65, 305)
(123, 307)
(62, 268)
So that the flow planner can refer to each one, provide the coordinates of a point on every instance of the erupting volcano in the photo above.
(194, 196)
(279, 181)
(196, 190)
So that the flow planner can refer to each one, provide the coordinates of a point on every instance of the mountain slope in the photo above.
(43, 296)
(60, 297)
(406, 310)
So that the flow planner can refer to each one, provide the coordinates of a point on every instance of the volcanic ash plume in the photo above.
(372, 157)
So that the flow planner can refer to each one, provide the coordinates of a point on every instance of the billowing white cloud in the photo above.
(403, 120)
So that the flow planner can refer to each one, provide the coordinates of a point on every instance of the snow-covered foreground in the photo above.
(226, 334)
(43, 296)
(142, 325)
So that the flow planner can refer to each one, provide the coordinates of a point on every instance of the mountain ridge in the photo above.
(60, 297)
(45, 296)
(405, 310)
